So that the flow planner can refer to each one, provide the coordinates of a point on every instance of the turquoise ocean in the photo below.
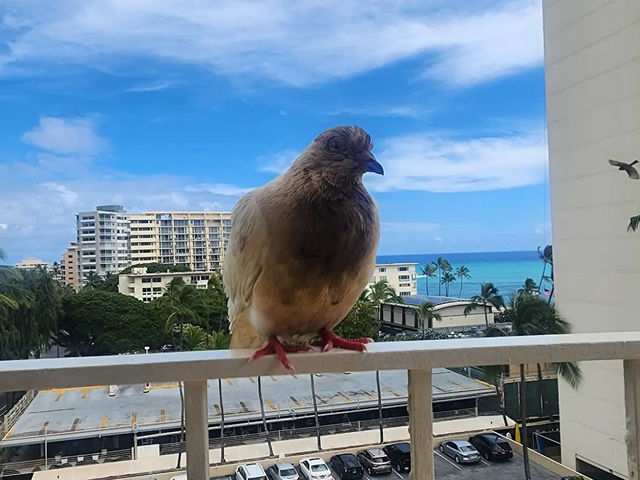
(506, 270)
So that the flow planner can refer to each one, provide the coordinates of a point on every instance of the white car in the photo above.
(252, 471)
(314, 468)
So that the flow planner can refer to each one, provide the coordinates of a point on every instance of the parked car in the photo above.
(347, 466)
(252, 471)
(399, 455)
(460, 450)
(374, 460)
(282, 471)
(314, 468)
(491, 446)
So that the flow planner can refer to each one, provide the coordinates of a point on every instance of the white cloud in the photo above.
(277, 162)
(4, 226)
(296, 43)
(149, 87)
(435, 163)
(383, 111)
(66, 135)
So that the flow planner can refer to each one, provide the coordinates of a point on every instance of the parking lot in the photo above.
(446, 469)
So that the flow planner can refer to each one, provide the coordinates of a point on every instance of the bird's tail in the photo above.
(243, 335)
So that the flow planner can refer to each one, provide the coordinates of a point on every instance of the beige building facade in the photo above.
(32, 263)
(400, 276)
(194, 239)
(150, 286)
(69, 274)
(592, 69)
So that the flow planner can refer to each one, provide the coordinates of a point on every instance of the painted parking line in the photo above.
(394, 471)
(446, 459)
(488, 465)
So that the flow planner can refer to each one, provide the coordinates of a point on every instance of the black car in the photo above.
(347, 467)
(491, 446)
(400, 455)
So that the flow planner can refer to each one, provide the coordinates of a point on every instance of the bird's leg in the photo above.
(274, 346)
(330, 340)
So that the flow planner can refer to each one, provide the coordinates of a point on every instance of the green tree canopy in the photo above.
(96, 322)
(426, 315)
(488, 296)
(360, 322)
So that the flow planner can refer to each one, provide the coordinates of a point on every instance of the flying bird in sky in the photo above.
(627, 167)
(302, 249)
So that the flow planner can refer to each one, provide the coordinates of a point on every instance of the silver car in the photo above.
(282, 471)
(460, 450)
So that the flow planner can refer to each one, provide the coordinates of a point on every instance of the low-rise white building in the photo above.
(150, 286)
(400, 276)
(32, 263)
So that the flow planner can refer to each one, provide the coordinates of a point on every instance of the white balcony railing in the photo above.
(419, 358)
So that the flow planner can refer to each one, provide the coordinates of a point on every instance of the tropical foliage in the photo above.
(532, 315)
(447, 279)
(30, 308)
(462, 272)
(488, 296)
(429, 271)
(426, 315)
(360, 322)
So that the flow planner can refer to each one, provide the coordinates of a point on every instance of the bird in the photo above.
(302, 249)
(627, 167)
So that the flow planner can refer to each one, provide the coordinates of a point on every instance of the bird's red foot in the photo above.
(274, 346)
(330, 340)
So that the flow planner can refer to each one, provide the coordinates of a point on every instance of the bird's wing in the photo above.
(633, 173)
(616, 163)
(243, 257)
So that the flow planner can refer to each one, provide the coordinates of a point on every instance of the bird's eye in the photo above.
(334, 145)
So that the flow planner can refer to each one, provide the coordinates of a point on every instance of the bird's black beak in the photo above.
(371, 164)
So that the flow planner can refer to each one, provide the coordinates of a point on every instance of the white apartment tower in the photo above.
(592, 71)
(103, 240)
(194, 239)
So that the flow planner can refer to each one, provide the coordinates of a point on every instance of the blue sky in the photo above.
(159, 106)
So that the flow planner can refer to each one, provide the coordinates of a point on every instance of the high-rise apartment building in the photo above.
(103, 240)
(400, 276)
(69, 274)
(194, 239)
(592, 71)
(32, 263)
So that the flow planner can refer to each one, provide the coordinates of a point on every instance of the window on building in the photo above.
(404, 277)
(403, 269)
(382, 269)
(404, 294)
(146, 280)
(157, 279)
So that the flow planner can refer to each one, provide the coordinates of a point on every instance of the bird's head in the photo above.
(345, 150)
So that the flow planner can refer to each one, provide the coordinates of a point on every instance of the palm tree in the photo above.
(489, 295)
(182, 300)
(462, 272)
(546, 256)
(634, 223)
(427, 315)
(529, 287)
(381, 292)
(532, 315)
(447, 279)
(442, 265)
(429, 271)
(92, 280)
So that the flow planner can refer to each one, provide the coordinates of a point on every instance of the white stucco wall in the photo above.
(592, 69)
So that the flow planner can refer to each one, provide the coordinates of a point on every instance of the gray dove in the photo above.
(302, 249)
(627, 167)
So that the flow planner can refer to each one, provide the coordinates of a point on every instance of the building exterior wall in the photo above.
(592, 71)
(103, 240)
(194, 239)
(150, 286)
(69, 274)
(31, 263)
(400, 276)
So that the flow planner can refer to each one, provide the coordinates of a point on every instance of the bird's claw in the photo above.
(329, 340)
(274, 346)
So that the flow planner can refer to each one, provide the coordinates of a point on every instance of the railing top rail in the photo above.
(160, 367)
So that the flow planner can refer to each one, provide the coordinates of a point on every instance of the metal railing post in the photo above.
(421, 424)
(632, 408)
(196, 418)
